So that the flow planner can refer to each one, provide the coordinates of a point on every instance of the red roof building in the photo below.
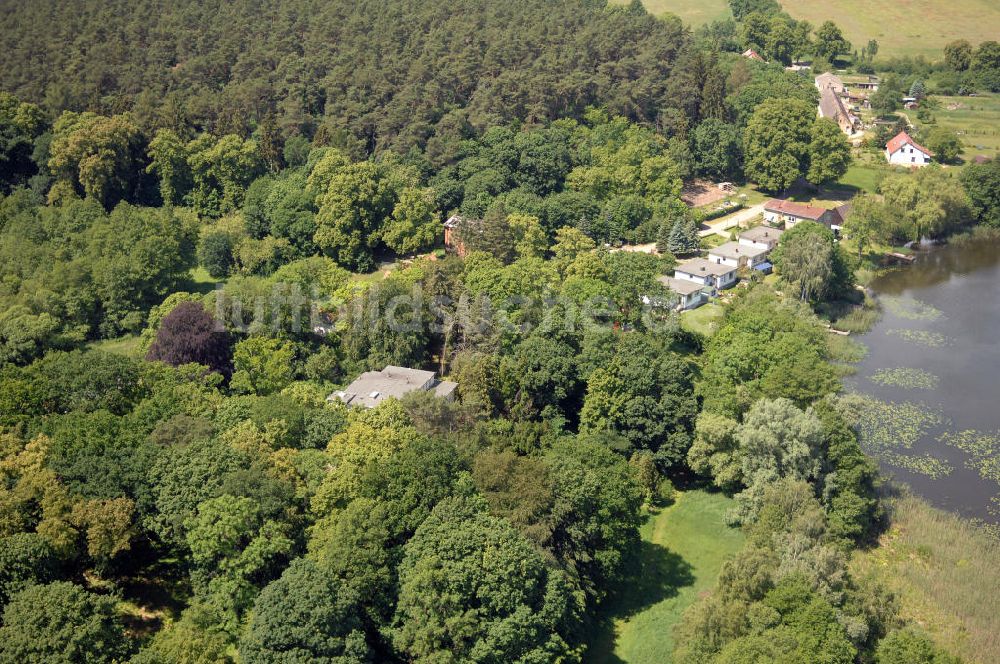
(902, 150)
(779, 213)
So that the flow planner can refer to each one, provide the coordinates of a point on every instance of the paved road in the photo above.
(722, 225)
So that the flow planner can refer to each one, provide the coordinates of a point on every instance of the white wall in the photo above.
(725, 280)
(723, 260)
(689, 277)
(908, 156)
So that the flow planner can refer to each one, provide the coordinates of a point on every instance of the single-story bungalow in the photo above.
(789, 213)
(736, 254)
(901, 150)
(761, 236)
(689, 293)
(708, 273)
(372, 387)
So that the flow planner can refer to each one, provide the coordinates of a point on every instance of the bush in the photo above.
(215, 254)
(666, 493)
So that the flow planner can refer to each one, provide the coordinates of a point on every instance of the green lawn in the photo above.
(906, 27)
(127, 346)
(684, 546)
(704, 320)
(976, 120)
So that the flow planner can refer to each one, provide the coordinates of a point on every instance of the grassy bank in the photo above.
(684, 546)
(945, 572)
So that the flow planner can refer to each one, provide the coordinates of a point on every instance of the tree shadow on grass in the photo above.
(654, 573)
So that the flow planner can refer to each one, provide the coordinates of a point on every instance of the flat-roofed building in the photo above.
(372, 387)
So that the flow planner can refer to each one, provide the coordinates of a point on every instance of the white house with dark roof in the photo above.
(372, 387)
(707, 273)
(689, 293)
(763, 237)
(738, 255)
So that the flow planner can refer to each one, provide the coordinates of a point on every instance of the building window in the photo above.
(912, 159)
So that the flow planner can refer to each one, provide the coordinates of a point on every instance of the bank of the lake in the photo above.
(933, 373)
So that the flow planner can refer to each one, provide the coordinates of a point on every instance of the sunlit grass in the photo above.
(944, 572)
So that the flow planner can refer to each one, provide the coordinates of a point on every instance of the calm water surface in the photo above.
(964, 284)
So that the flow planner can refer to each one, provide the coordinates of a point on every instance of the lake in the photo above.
(934, 368)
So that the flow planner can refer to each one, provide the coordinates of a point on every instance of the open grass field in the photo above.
(684, 546)
(704, 320)
(976, 120)
(692, 12)
(127, 346)
(903, 27)
(945, 572)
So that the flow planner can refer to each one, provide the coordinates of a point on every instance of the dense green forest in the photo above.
(372, 75)
(248, 198)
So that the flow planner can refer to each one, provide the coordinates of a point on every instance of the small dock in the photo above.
(906, 258)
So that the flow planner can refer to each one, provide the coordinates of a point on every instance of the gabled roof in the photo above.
(800, 210)
(901, 139)
(753, 55)
(761, 234)
(736, 250)
(841, 211)
(681, 286)
(829, 80)
(832, 106)
(701, 267)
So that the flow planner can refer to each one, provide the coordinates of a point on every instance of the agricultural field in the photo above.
(914, 27)
(684, 546)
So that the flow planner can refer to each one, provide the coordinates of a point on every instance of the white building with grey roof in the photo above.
(372, 387)
(738, 255)
(706, 272)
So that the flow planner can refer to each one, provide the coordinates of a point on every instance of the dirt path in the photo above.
(722, 225)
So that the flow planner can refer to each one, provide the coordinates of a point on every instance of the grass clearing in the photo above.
(945, 572)
(704, 320)
(692, 12)
(684, 546)
(976, 121)
(126, 346)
